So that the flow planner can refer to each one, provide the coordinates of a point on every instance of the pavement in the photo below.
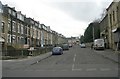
(107, 53)
(110, 54)
(30, 59)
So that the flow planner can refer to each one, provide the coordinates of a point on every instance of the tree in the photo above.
(104, 12)
(82, 39)
(88, 34)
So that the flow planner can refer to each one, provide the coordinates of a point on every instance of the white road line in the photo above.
(30, 70)
(63, 70)
(77, 69)
(37, 62)
(105, 69)
(8, 60)
(73, 67)
(98, 51)
(39, 70)
(55, 70)
(75, 55)
(73, 62)
(74, 58)
(91, 69)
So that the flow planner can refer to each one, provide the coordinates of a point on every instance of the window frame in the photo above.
(3, 27)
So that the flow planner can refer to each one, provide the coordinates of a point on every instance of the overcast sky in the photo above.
(68, 17)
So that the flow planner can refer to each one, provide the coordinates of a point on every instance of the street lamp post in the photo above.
(93, 33)
(45, 45)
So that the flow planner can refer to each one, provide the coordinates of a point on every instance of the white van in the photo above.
(99, 44)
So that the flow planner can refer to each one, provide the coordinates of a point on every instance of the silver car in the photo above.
(82, 45)
(57, 51)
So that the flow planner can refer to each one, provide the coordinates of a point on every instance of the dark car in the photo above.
(57, 51)
(65, 47)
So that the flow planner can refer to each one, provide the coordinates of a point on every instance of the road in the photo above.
(75, 62)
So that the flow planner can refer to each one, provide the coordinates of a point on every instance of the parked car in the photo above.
(57, 51)
(82, 45)
(65, 47)
(70, 45)
(99, 44)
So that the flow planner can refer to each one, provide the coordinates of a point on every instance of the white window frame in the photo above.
(14, 13)
(14, 26)
(8, 38)
(18, 15)
(18, 39)
(1, 10)
(28, 41)
(22, 29)
(9, 24)
(21, 41)
(14, 39)
(19, 28)
(9, 11)
(25, 30)
(3, 26)
(31, 31)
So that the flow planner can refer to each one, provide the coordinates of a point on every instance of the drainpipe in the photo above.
(0, 28)
(93, 33)
(118, 41)
(42, 39)
(0, 42)
(11, 25)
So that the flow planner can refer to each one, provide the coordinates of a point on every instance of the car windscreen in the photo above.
(56, 49)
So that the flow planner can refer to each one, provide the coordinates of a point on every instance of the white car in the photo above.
(99, 44)
(70, 45)
(82, 45)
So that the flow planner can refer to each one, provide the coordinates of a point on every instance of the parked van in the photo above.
(99, 44)
(65, 47)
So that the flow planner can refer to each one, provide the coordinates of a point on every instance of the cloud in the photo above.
(82, 11)
(69, 17)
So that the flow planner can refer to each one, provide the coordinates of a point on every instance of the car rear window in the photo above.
(56, 49)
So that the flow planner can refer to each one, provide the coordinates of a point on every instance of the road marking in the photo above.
(73, 67)
(77, 70)
(8, 60)
(46, 70)
(91, 69)
(30, 70)
(105, 69)
(74, 58)
(99, 51)
(14, 60)
(75, 55)
(73, 62)
(37, 62)
(63, 70)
